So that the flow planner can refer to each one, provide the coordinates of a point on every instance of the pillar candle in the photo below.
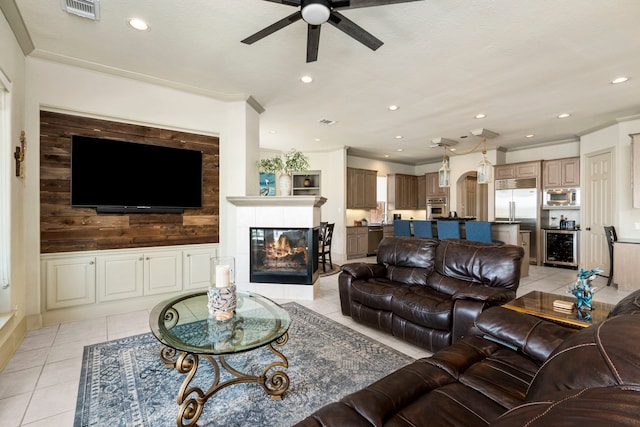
(222, 276)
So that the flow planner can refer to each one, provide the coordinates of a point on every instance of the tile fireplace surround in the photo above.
(272, 212)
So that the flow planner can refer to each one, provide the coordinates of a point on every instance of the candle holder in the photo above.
(221, 297)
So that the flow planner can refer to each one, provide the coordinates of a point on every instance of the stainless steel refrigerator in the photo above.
(517, 200)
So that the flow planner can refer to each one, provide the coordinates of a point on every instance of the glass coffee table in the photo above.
(540, 304)
(188, 334)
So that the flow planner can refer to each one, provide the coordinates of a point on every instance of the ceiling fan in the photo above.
(317, 12)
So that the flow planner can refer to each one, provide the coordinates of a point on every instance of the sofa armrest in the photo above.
(535, 337)
(364, 271)
(355, 271)
(486, 294)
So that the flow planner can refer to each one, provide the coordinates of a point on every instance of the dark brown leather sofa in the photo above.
(428, 291)
(516, 370)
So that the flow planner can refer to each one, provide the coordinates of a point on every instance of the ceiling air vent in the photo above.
(85, 8)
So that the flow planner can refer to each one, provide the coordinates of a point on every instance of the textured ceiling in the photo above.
(520, 62)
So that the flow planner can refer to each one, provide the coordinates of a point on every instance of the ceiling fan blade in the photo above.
(296, 16)
(313, 42)
(355, 4)
(287, 2)
(352, 29)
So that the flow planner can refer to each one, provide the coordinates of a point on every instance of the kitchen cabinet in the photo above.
(402, 191)
(361, 188)
(357, 242)
(306, 183)
(561, 173)
(433, 186)
(517, 170)
(422, 192)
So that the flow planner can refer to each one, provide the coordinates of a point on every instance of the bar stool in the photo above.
(422, 229)
(448, 229)
(401, 227)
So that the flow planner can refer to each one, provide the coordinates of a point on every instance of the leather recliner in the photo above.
(427, 291)
(516, 370)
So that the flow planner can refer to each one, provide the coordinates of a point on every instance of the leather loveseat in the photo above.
(516, 370)
(428, 291)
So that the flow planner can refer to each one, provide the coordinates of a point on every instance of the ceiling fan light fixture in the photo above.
(316, 13)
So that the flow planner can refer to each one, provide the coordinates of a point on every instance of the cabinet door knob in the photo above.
(148, 258)
(188, 255)
(141, 259)
(91, 263)
(588, 228)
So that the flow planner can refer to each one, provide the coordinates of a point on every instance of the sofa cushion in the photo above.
(605, 354)
(423, 306)
(408, 259)
(594, 407)
(375, 293)
(462, 263)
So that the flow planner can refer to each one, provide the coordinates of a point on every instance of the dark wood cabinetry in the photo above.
(361, 188)
(561, 173)
(357, 242)
(402, 191)
(517, 170)
(433, 186)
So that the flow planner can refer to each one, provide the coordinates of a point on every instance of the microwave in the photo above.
(562, 198)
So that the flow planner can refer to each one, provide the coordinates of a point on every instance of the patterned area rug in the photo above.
(124, 383)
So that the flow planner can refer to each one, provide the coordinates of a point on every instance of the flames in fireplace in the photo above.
(283, 255)
(281, 252)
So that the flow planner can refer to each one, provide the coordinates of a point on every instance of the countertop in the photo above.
(559, 229)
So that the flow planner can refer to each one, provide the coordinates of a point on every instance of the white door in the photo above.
(597, 208)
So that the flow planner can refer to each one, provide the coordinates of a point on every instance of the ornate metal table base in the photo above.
(192, 399)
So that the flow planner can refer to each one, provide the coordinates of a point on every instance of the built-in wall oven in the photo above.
(437, 207)
(561, 247)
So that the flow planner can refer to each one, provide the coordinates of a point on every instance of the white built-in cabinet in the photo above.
(71, 281)
(84, 278)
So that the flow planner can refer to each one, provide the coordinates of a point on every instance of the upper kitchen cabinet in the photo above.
(561, 173)
(433, 186)
(361, 188)
(422, 192)
(402, 191)
(517, 170)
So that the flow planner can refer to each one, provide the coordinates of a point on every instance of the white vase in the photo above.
(285, 184)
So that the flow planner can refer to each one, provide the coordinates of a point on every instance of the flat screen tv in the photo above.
(121, 176)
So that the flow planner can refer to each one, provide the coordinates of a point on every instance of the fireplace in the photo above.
(283, 255)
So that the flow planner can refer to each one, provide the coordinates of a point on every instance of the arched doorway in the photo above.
(472, 198)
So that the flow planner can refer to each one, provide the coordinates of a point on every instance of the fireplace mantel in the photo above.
(311, 201)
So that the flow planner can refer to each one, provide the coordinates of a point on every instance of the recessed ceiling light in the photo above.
(393, 107)
(619, 80)
(399, 150)
(564, 115)
(138, 24)
(387, 156)
(317, 140)
(272, 132)
(451, 149)
(480, 116)
(529, 136)
(399, 136)
(306, 79)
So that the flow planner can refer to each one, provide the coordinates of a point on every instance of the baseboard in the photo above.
(11, 337)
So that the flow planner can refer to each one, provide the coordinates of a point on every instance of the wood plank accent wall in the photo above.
(64, 228)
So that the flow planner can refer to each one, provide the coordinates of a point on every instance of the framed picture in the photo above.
(267, 184)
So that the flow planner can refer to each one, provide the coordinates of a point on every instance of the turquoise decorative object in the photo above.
(582, 290)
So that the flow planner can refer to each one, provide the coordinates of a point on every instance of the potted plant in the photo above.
(291, 161)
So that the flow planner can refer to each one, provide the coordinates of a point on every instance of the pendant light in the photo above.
(444, 173)
(485, 168)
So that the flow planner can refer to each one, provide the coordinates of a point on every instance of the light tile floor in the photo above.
(39, 385)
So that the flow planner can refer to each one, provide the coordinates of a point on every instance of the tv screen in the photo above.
(120, 176)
